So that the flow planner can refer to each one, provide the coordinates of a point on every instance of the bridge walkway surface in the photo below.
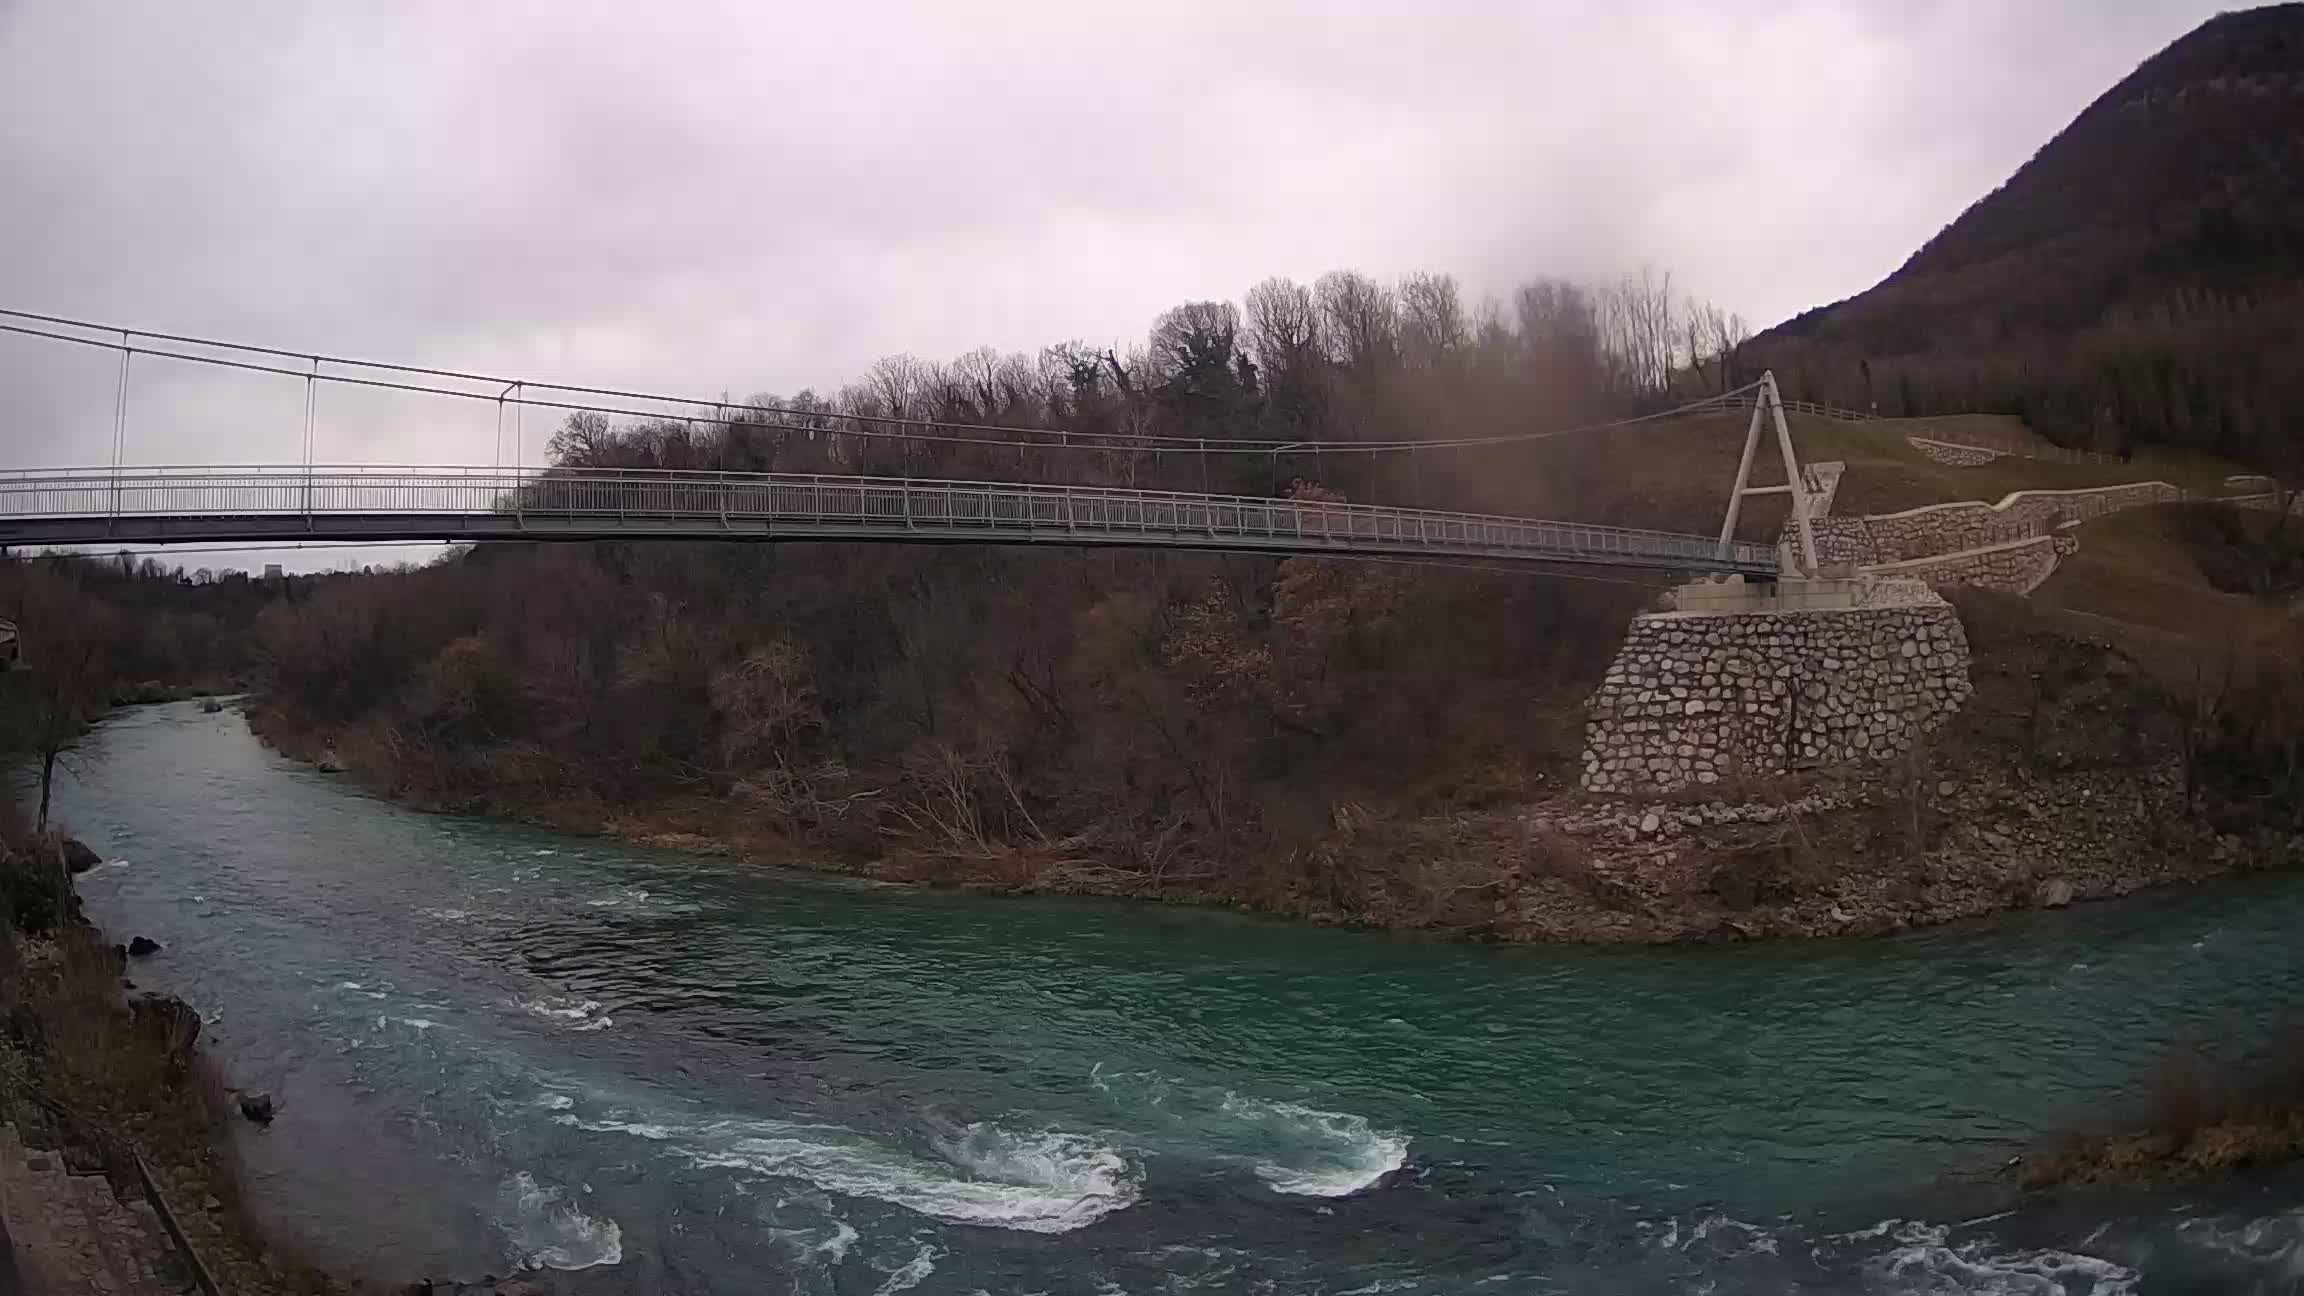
(99, 506)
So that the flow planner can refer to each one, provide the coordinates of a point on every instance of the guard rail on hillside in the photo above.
(157, 505)
(1743, 400)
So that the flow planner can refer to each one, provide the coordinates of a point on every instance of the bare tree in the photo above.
(1560, 329)
(1284, 336)
(1728, 343)
(1714, 340)
(582, 440)
(1283, 329)
(1194, 344)
(902, 384)
(1359, 321)
(1637, 331)
(976, 377)
(1432, 321)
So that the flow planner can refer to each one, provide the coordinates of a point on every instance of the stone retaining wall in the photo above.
(1938, 529)
(1955, 456)
(2270, 502)
(2015, 568)
(1844, 540)
(1692, 697)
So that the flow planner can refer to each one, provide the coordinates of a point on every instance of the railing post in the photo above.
(1207, 495)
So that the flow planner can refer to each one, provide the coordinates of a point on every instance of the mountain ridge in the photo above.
(2133, 282)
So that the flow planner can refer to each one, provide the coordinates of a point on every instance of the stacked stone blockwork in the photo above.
(2017, 568)
(1693, 697)
(1954, 455)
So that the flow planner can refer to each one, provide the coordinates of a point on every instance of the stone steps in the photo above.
(70, 1235)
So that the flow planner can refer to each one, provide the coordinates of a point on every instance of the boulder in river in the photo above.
(258, 1107)
(329, 762)
(211, 706)
(2055, 893)
(143, 946)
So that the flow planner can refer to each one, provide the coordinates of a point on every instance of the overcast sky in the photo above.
(747, 196)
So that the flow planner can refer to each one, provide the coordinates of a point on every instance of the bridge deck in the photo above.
(162, 505)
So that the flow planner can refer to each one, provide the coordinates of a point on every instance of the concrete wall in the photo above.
(1736, 594)
(1693, 697)
(1822, 481)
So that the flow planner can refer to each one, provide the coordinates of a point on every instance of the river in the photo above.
(647, 1071)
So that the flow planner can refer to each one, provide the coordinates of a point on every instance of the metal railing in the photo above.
(1743, 400)
(97, 505)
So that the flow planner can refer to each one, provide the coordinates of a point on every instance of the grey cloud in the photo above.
(733, 197)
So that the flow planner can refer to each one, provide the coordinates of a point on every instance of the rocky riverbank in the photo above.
(103, 1082)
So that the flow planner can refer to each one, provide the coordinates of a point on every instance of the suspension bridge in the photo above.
(122, 503)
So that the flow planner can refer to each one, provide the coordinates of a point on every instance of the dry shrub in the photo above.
(1394, 872)
(35, 886)
(106, 1068)
(2204, 1118)
(1778, 866)
(1554, 854)
(83, 1071)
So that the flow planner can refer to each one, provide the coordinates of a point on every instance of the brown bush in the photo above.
(2202, 1117)
(1776, 867)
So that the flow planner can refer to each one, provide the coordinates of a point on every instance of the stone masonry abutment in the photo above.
(1695, 696)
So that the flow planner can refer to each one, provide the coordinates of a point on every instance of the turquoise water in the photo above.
(498, 1047)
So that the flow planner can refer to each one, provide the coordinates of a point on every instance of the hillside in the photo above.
(2139, 281)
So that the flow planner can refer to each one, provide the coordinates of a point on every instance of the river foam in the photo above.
(826, 1249)
(547, 1231)
(1925, 1260)
(1297, 1150)
(567, 1010)
(1033, 1181)
(1328, 1154)
(911, 1273)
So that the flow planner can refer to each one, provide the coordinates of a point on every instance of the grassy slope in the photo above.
(1674, 474)
(2134, 576)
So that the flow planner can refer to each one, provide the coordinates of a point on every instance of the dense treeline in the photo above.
(2195, 368)
(175, 626)
(2140, 280)
(1344, 360)
(1216, 721)
(91, 632)
(1157, 714)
